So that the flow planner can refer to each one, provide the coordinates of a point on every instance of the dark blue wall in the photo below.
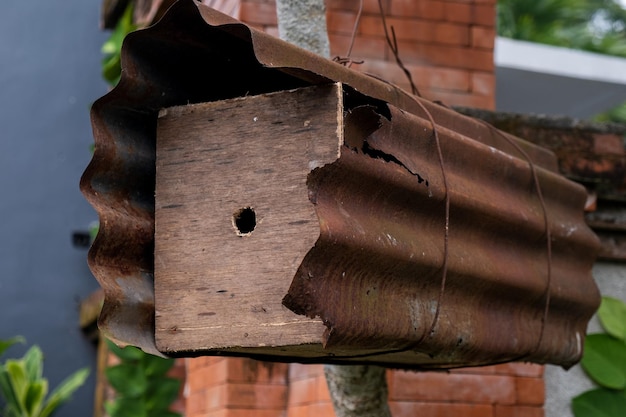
(49, 76)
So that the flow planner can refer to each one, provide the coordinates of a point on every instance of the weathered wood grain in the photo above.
(216, 286)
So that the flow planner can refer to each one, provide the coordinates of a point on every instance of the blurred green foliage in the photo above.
(23, 388)
(605, 363)
(591, 25)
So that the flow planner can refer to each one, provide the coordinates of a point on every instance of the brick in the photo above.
(460, 99)
(423, 76)
(244, 412)
(521, 369)
(412, 409)
(323, 394)
(342, 22)
(369, 6)
(417, 30)
(484, 14)
(446, 56)
(312, 410)
(308, 391)
(483, 83)
(303, 392)
(207, 376)
(530, 391)
(216, 397)
(250, 370)
(608, 144)
(364, 48)
(476, 370)
(458, 388)
(271, 30)
(372, 26)
(195, 363)
(299, 371)
(483, 37)
(452, 34)
(259, 13)
(458, 12)
(197, 403)
(256, 396)
(425, 9)
(517, 411)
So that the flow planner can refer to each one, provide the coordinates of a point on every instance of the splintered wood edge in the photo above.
(204, 301)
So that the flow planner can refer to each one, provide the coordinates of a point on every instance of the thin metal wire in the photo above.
(393, 45)
(546, 224)
(347, 60)
(546, 220)
(356, 26)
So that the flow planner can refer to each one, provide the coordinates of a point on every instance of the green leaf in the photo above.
(127, 379)
(111, 69)
(5, 344)
(599, 403)
(605, 360)
(64, 391)
(8, 391)
(17, 374)
(33, 361)
(165, 413)
(162, 394)
(156, 366)
(35, 396)
(126, 407)
(111, 65)
(129, 353)
(612, 314)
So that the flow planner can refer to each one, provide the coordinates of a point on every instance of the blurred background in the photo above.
(50, 65)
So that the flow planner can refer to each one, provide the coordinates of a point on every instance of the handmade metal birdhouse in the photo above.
(258, 200)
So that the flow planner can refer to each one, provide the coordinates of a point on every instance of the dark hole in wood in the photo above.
(245, 221)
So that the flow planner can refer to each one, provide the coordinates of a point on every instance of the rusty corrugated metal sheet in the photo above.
(497, 260)
(381, 244)
(592, 154)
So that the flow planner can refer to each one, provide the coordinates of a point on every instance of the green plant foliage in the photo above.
(612, 314)
(5, 344)
(592, 25)
(605, 363)
(141, 383)
(599, 403)
(112, 48)
(24, 389)
(605, 360)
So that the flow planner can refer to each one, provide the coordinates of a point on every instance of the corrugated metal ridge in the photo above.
(374, 275)
(195, 54)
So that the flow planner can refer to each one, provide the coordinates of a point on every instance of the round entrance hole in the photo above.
(244, 221)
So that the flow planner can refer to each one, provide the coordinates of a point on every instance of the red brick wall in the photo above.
(509, 390)
(446, 45)
(233, 387)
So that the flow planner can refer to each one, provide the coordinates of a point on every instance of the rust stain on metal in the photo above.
(374, 275)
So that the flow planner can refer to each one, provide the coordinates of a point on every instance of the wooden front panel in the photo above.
(233, 218)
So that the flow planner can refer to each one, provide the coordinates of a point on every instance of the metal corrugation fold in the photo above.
(493, 304)
(374, 276)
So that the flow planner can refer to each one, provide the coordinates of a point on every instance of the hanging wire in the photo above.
(393, 45)
(347, 60)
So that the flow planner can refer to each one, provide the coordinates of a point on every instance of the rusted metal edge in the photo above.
(195, 54)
